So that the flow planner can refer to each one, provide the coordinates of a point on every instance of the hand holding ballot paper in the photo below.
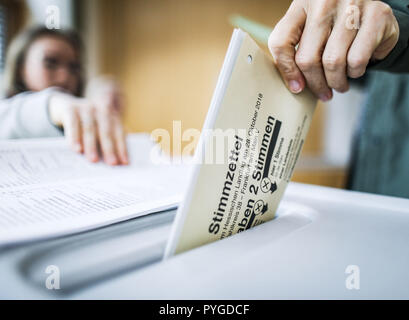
(266, 126)
(250, 143)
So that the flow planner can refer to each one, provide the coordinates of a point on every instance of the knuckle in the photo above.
(89, 132)
(381, 9)
(87, 124)
(103, 139)
(69, 111)
(275, 45)
(85, 104)
(385, 9)
(107, 145)
(103, 112)
(326, 8)
(105, 129)
(117, 126)
(333, 62)
(75, 112)
(120, 132)
(286, 65)
(86, 114)
(356, 62)
(307, 62)
(89, 142)
(86, 110)
(104, 123)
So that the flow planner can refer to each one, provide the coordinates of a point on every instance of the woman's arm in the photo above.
(89, 123)
(26, 116)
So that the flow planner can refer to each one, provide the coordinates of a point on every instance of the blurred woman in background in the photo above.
(44, 86)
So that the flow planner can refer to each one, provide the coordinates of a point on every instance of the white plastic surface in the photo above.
(303, 253)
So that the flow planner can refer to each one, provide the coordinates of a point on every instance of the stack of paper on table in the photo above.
(47, 190)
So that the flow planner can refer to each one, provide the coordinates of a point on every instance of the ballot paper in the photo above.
(47, 190)
(266, 126)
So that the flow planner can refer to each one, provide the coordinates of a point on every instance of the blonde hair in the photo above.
(13, 82)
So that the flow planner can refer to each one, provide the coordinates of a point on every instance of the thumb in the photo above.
(282, 45)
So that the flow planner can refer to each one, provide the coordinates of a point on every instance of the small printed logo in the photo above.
(352, 281)
(353, 17)
(52, 17)
(53, 280)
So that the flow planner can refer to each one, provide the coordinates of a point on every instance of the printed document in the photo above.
(48, 190)
(237, 185)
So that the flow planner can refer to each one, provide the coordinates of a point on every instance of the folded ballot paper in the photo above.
(46, 190)
(265, 127)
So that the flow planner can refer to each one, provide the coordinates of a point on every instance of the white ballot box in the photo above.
(324, 244)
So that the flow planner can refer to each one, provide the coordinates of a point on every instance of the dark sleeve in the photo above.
(398, 59)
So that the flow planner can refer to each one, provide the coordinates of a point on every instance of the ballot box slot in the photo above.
(291, 216)
(98, 255)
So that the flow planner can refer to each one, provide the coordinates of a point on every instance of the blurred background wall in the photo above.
(167, 55)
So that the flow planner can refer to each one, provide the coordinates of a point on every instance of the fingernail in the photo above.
(295, 86)
(77, 147)
(125, 159)
(325, 97)
(111, 160)
(93, 156)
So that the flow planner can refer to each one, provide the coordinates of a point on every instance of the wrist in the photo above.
(57, 105)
